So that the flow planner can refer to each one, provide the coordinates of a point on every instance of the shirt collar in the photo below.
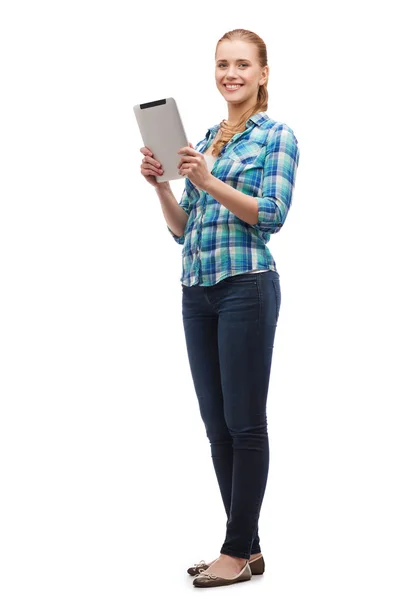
(256, 119)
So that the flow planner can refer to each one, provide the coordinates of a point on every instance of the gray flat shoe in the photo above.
(210, 580)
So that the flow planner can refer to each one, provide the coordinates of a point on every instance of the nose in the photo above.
(231, 73)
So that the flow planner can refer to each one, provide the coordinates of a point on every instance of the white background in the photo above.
(107, 485)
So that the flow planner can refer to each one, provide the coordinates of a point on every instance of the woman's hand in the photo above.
(151, 167)
(194, 166)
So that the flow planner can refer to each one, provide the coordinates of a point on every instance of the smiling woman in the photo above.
(242, 81)
(231, 290)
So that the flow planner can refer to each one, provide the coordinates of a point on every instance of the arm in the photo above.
(268, 212)
(176, 215)
(240, 204)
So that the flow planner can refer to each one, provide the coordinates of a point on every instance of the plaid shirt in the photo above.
(260, 161)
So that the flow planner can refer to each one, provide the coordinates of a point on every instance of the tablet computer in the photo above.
(162, 131)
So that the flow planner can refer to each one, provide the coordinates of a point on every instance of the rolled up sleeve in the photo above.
(279, 173)
(185, 204)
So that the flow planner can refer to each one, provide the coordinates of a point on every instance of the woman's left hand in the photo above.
(194, 166)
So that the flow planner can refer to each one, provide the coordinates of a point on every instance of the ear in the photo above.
(265, 74)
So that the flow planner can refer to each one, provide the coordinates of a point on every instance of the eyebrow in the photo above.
(237, 60)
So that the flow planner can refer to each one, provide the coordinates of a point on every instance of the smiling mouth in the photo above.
(233, 87)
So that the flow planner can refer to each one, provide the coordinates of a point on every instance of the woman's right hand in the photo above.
(150, 167)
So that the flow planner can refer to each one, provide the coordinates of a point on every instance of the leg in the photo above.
(200, 320)
(248, 313)
(200, 316)
(201, 333)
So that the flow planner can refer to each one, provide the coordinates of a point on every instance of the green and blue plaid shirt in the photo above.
(260, 161)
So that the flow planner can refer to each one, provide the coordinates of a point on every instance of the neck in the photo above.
(235, 111)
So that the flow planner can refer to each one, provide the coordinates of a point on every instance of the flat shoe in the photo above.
(199, 567)
(257, 566)
(210, 580)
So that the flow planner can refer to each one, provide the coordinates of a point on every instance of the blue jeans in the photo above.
(229, 330)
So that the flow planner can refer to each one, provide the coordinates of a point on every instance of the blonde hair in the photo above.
(227, 131)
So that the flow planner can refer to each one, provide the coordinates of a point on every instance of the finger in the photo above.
(146, 151)
(151, 170)
(188, 150)
(189, 160)
(148, 160)
(182, 164)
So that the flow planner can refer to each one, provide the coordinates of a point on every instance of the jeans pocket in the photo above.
(241, 277)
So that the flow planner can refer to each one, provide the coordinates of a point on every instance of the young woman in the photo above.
(238, 190)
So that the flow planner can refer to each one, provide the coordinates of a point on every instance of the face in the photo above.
(237, 63)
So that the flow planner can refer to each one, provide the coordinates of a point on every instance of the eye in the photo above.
(223, 64)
